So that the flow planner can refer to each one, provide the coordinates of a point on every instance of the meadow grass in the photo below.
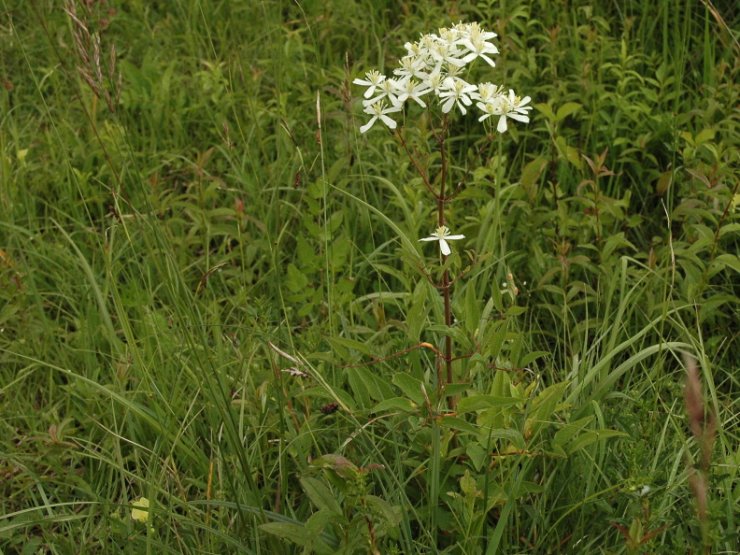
(213, 296)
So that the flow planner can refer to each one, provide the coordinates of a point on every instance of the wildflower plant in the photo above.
(434, 76)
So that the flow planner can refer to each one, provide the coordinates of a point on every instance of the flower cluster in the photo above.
(435, 64)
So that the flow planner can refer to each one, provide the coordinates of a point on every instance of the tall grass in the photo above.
(215, 300)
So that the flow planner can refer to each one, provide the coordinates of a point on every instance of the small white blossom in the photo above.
(477, 43)
(505, 106)
(442, 234)
(409, 88)
(379, 111)
(372, 81)
(388, 89)
(411, 66)
(456, 91)
(434, 81)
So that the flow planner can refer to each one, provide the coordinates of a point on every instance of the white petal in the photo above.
(488, 60)
(501, 127)
(368, 125)
(388, 121)
(454, 237)
(429, 239)
(447, 106)
(369, 92)
(519, 117)
(444, 247)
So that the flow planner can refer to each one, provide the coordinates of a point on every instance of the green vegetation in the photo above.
(211, 301)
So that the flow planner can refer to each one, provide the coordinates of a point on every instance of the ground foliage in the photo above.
(213, 295)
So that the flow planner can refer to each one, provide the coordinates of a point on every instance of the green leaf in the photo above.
(545, 110)
(417, 313)
(566, 433)
(592, 436)
(704, 136)
(531, 174)
(296, 280)
(341, 343)
(320, 495)
(477, 454)
(543, 408)
(508, 434)
(315, 526)
(341, 465)
(570, 153)
(295, 533)
(476, 403)
(468, 485)
(410, 386)
(395, 403)
(454, 423)
(368, 386)
(664, 182)
(391, 514)
(567, 109)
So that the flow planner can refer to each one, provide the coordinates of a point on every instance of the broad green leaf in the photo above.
(314, 528)
(531, 174)
(454, 423)
(545, 110)
(476, 403)
(591, 436)
(395, 403)
(468, 485)
(567, 109)
(390, 513)
(295, 533)
(296, 280)
(320, 495)
(665, 180)
(508, 434)
(704, 136)
(351, 344)
(339, 464)
(566, 433)
(417, 313)
(368, 385)
(543, 407)
(410, 386)
(477, 454)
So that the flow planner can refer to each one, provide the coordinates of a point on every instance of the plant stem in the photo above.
(441, 200)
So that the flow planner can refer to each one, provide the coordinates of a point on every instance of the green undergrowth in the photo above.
(213, 296)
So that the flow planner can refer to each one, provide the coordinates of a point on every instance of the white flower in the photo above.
(434, 81)
(505, 106)
(445, 53)
(456, 91)
(477, 43)
(379, 110)
(374, 79)
(388, 89)
(409, 88)
(442, 234)
(411, 66)
(487, 92)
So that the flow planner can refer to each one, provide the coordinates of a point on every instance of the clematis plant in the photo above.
(433, 74)
(434, 65)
